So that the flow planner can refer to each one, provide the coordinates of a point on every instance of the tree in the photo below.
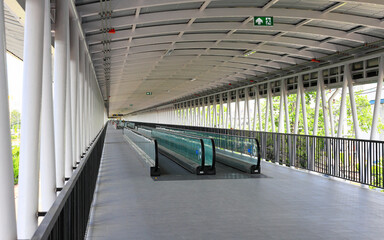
(15, 119)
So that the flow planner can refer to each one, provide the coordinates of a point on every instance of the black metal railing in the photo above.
(68, 216)
(355, 160)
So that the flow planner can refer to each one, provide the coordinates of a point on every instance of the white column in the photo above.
(204, 118)
(296, 126)
(266, 109)
(271, 107)
(330, 100)
(221, 111)
(229, 109)
(60, 77)
(347, 75)
(303, 105)
(74, 64)
(85, 107)
(287, 120)
(7, 201)
(237, 111)
(68, 114)
(281, 116)
(317, 106)
(80, 85)
(245, 106)
(323, 102)
(47, 137)
(376, 110)
(258, 108)
(254, 108)
(30, 121)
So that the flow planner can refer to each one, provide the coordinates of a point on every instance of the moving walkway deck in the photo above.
(281, 203)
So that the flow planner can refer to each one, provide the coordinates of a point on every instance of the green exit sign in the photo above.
(263, 21)
(148, 93)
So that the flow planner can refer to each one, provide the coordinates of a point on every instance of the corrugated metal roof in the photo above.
(14, 32)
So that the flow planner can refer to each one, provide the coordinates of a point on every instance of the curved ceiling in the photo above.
(180, 48)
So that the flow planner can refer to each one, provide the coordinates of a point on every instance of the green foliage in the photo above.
(15, 119)
(15, 158)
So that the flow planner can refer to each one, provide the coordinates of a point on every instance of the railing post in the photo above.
(30, 122)
(7, 201)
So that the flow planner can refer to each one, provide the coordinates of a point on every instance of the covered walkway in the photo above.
(282, 203)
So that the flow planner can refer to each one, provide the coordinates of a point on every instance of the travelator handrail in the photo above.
(356, 160)
(68, 216)
(202, 169)
(154, 169)
(217, 137)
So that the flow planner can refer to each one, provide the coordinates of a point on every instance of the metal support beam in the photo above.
(7, 201)
(30, 121)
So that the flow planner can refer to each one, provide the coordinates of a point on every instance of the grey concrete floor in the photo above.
(282, 204)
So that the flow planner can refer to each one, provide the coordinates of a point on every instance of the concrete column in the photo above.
(60, 77)
(30, 120)
(7, 201)
(47, 137)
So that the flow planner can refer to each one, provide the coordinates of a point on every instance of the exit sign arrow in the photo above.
(263, 21)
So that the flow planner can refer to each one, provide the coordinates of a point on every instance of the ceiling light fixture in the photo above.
(169, 52)
(248, 53)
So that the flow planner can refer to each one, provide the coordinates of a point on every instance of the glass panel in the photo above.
(186, 146)
(244, 148)
(145, 144)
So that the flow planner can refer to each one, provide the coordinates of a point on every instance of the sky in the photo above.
(15, 81)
